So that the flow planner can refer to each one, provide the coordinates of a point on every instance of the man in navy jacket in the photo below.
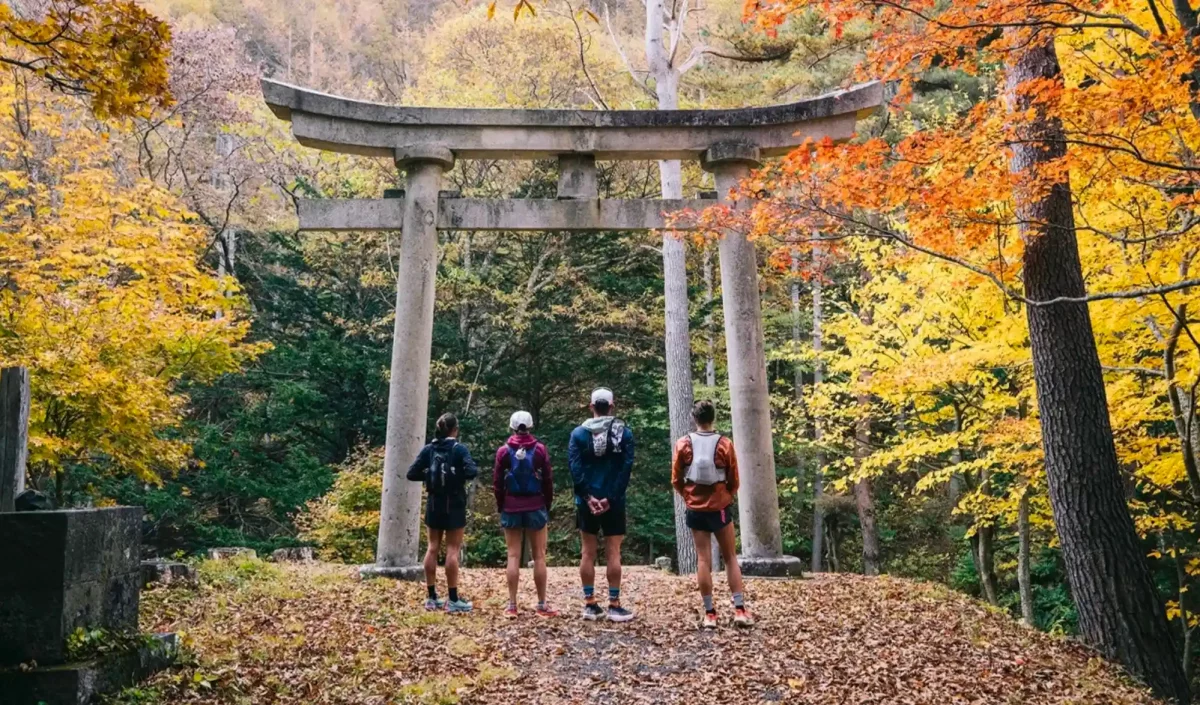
(600, 455)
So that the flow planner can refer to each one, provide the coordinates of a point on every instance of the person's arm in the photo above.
(627, 467)
(498, 476)
(416, 471)
(732, 480)
(575, 464)
(547, 477)
(680, 461)
(470, 468)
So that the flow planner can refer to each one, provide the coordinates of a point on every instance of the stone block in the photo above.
(407, 572)
(81, 683)
(663, 563)
(66, 570)
(220, 554)
(296, 554)
(771, 567)
(164, 572)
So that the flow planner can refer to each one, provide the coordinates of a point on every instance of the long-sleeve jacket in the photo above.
(464, 466)
(604, 476)
(705, 498)
(541, 462)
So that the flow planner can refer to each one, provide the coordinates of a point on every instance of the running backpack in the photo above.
(608, 437)
(442, 474)
(522, 477)
(704, 470)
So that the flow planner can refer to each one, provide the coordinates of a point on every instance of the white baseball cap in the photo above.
(519, 419)
(602, 394)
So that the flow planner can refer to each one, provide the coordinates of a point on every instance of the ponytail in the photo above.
(446, 424)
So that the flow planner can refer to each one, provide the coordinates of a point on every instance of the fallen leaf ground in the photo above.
(316, 634)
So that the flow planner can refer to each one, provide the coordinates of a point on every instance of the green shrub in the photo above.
(237, 571)
(344, 523)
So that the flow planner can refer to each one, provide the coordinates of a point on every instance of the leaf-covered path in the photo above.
(315, 634)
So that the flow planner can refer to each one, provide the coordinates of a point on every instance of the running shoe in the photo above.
(547, 611)
(592, 612)
(617, 613)
(432, 605)
(459, 606)
(709, 621)
(510, 612)
(742, 618)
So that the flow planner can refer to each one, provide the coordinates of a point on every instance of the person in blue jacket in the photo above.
(447, 469)
(600, 455)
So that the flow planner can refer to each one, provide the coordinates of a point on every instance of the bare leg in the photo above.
(454, 539)
(727, 540)
(538, 540)
(703, 541)
(612, 560)
(587, 561)
(513, 539)
(431, 555)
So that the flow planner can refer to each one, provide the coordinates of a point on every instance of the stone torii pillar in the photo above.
(727, 142)
(758, 496)
(412, 345)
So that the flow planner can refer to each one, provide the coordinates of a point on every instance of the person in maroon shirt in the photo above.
(524, 486)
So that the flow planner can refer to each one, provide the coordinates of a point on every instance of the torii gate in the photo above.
(424, 142)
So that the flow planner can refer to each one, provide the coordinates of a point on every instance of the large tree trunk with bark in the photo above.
(1120, 612)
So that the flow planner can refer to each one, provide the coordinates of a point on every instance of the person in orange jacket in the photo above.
(704, 471)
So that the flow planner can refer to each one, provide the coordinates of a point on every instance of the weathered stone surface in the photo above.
(662, 563)
(220, 554)
(425, 152)
(65, 570)
(406, 572)
(164, 572)
(371, 129)
(532, 214)
(725, 153)
(34, 501)
(577, 176)
(771, 567)
(296, 554)
(81, 683)
(749, 398)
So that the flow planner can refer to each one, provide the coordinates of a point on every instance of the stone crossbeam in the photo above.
(507, 215)
(348, 126)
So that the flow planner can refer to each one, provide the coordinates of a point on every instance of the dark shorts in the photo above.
(534, 520)
(711, 522)
(445, 518)
(610, 523)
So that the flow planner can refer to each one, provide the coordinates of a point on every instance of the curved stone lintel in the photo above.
(348, 126)
(424, 153)
(730, 153)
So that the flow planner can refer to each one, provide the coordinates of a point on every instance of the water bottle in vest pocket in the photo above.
(522, 477)
(704, 470)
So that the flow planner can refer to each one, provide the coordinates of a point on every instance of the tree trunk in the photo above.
(818, 479)
(864, 497)
(1120, 612)
(987, 554)
(1023, 548)
(710, 362)
(14, 434)
(675, 284)
(987, 564)
(831, 538)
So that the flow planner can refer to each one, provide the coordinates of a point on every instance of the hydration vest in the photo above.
(703, 469)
